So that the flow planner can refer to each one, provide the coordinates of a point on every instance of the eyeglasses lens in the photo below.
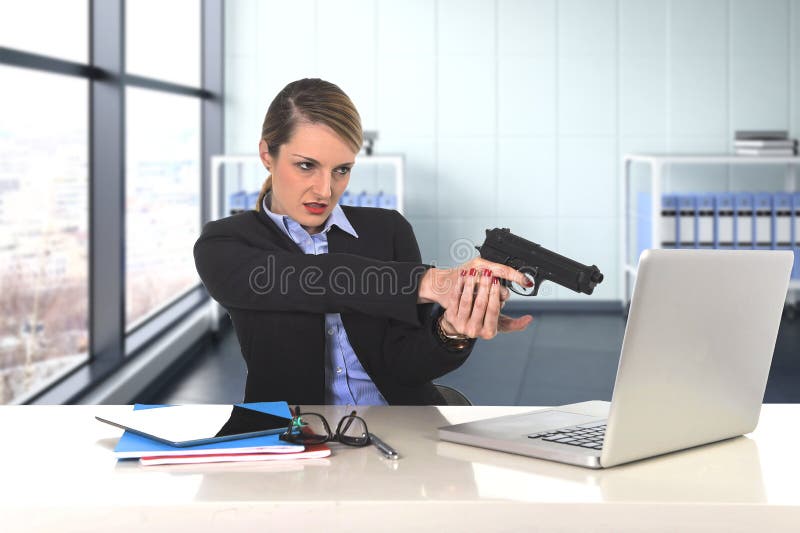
(353, 431)
(310, 429)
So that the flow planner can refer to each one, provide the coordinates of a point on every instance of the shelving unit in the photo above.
(656, 182)
(364, 164)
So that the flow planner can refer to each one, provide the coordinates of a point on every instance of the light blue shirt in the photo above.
(346, 381)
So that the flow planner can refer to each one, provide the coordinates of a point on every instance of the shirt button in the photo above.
(330, 331)
(338, 370)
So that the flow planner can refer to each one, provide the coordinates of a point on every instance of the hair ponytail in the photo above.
(265, 188)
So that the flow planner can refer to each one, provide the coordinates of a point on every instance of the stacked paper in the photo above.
(261, 448)
(764, 143)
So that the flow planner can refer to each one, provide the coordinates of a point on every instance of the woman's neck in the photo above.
(312, 230)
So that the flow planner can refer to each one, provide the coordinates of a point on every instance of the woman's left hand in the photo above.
(474, 308)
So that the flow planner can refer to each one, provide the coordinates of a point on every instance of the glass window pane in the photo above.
(44, 296)
(58, 28)
(163, 40)
(162, 198)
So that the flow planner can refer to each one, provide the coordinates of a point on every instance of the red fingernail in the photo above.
(487, 272)
(472, 271)
(463, 273)
(495, 281)
(529, 283)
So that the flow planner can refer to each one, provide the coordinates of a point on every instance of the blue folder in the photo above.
(744, 221)
(723, 220)
(252, 200)
(782, 220)
(669, 228)
(643, 223)
(705, 227)
(237, 201)
(796, 219)
(686, 221)
(764, 221)
(796, 269)
(131, 445)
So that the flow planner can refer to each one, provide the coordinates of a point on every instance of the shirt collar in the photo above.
(337, 217)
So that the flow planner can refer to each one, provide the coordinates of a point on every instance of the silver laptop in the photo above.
(695, 357)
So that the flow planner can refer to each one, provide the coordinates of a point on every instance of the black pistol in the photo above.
(502, 246)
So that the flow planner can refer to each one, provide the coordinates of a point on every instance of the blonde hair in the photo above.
(314, 101)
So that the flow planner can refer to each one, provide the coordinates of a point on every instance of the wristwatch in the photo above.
(455, 342)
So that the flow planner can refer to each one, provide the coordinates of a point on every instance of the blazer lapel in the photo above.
(279, 233)
(339, 241)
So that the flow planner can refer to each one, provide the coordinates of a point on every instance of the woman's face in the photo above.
(309, 175)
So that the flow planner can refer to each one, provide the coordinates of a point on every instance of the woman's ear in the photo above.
(263, 152)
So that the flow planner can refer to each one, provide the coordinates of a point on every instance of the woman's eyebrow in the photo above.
(317, 162)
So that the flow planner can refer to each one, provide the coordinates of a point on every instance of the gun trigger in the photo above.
(536, 282)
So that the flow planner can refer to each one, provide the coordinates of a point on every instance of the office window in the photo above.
(43, 228)
(56, 28)
(100, 183)
(162, 198)
(162, 40)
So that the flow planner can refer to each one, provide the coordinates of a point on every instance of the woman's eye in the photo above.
(301, 163)
(343, 170)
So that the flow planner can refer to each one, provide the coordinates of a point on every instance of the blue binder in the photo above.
(796, 219)
(723, 220)
(795, 231)
(237, 201)
(686, 221)
(252, 200)
(743, 221)
(387, 201)
(643, 220)
(669, 220)
(796, 270)
(348, 199)
(782, 220)
(764, 217)
(705, 227)
(366, 199)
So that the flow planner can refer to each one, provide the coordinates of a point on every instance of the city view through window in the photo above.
(162, 200)
(48, 185)
(43, 228)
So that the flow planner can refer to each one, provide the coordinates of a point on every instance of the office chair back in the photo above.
(452, 396)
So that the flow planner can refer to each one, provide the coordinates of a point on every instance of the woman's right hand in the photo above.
(471, 300)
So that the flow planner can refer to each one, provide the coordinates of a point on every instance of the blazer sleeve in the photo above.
(412, 352)
(240, 275)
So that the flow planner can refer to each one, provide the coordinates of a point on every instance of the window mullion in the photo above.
(107, 186)
(212, 78)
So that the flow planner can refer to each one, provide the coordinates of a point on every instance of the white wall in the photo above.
(516, 113)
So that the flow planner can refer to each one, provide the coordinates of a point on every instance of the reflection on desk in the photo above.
(59, 473)
(712, 472)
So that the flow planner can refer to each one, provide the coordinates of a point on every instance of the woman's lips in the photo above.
(315, 208)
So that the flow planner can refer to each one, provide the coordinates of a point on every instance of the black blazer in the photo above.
(277, 296)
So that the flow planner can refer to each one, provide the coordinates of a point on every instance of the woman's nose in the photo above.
(322, 186)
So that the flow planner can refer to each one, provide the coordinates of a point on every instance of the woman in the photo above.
(331, 304)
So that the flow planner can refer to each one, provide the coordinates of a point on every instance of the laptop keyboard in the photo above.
(584, 436)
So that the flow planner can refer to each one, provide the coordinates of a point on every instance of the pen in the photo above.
(385, 449)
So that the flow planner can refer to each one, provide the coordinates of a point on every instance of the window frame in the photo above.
(111, 346)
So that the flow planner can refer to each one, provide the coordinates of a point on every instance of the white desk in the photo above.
(57, 473)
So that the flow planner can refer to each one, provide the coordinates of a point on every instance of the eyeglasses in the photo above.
(312, 428)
